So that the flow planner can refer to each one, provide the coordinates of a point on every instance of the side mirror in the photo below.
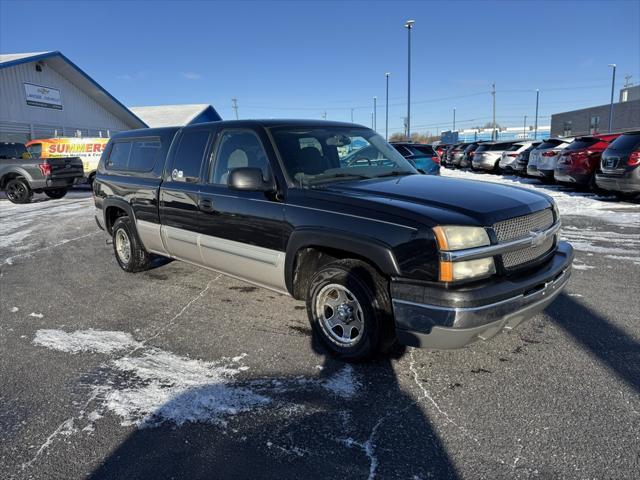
(249, 179)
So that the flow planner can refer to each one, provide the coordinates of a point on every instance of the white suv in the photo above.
(509, 156)
(543, 158)
(487, 155)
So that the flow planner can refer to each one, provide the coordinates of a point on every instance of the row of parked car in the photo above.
(599, 162)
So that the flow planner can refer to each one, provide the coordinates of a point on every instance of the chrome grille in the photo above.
(526, 255)
(521, 227)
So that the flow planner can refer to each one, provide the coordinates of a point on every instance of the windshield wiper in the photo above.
(395, 173)
(337, 176)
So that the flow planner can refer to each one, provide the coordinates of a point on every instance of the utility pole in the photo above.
(386, 115)
(375, 113)
(352, 115)
(454, 119)
(627, 81)
(493, 94)
(535, 128)
(235, 106)
(524, 129)
(409, 26)
(372, 122)
(613, 84)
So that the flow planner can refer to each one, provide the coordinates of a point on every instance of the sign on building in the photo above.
(40, 96)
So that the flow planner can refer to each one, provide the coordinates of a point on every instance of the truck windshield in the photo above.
(317, 155)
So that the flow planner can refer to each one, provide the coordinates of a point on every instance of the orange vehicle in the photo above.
(88, 149)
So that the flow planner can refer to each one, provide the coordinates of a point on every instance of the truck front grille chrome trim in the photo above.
(530, 241)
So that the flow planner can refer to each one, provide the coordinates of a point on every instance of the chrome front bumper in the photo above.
(447, 326)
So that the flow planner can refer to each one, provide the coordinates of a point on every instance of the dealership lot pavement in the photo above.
(180, 373)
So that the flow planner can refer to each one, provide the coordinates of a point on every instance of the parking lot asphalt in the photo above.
(182, 373)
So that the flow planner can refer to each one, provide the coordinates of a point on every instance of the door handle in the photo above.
(206, 205)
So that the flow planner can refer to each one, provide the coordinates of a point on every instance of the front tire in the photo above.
(56, 193)
(129, 251)
(349, 309)
(18, 191)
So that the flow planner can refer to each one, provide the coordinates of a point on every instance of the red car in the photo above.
(578, 162)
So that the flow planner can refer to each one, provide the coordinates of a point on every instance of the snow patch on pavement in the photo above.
(178, 389)
(148, 386)
(36, 315)
(97, 341)
(14, 309)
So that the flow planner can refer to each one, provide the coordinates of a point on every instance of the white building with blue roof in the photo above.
(44, 94)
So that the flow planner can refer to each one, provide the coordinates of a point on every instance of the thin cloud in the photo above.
(191, 76)
(130, 76)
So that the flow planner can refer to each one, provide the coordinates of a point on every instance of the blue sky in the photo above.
(300, 59)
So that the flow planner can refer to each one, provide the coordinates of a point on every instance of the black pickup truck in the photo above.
(379, 252)
(21, 175)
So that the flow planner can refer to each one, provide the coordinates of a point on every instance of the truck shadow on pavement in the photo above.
(605, 341)
(378, 430)
(379, 433)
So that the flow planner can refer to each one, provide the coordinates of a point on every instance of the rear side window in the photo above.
(581, 143)
(138, 155)
(627, 142)
(421, 150)
(119, 156)
(549, 144)
(188, 157)
(144, 154)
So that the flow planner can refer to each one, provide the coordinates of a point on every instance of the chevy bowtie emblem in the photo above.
(537, 238)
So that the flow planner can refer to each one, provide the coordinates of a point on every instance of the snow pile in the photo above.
(97, 341)
(178, 389)
(569, 202)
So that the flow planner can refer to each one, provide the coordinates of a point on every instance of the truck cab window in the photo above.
(35, 150)
(119, 156)
(144, 154)
(188, 157)
(238, 149)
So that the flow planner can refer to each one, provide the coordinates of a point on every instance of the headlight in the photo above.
(452, 238)
(556, 211)
(454, 271)
(459, 238)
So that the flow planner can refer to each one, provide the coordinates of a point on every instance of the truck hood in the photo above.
(440, 200)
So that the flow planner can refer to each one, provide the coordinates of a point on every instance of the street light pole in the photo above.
(454, 119)
(524, 129)
(352, 115)
(493, 94)
(613, 84)
(535, 128)
(386, 115)
(409, 26)
(375, 113)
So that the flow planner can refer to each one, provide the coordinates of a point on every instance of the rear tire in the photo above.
(349, 308)
(626, 196)
(18, 191)
(127, 247)
(56, 193)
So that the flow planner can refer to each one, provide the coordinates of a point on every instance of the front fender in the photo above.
(371, 249)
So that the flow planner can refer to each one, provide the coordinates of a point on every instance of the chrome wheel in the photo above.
(123, 246)
(340, 315)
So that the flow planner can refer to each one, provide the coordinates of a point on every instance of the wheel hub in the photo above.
(340, 315)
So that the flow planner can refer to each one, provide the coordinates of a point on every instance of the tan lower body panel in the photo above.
(257, 265)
